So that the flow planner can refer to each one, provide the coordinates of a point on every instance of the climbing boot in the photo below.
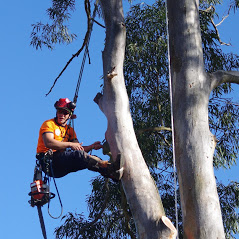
(113, 170)
(117, 170)
(105, 168)
(94, 163)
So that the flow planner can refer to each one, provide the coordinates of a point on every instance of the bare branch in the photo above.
(98, 23)
(152, 129)
(208, 10)
(164, 139)
(225, 16)
(87, 10)
(217, 32)
(211, 11)
(223, 19)
(169, 231)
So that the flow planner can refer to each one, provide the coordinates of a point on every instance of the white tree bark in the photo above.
(220, 77)
(194, 143)
(141, 192)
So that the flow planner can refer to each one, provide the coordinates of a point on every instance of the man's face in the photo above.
(62, 116)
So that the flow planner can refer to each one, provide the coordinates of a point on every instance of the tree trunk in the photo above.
(194, 143)
(140, 189)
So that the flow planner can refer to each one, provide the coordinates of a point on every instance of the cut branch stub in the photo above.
(111, 74)
(168, 229)
(97, 98)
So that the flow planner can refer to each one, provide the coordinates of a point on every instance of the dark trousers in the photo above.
(66, 162)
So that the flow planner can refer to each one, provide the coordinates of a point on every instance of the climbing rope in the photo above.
(172, 123)
(58, 194)
(86, 52)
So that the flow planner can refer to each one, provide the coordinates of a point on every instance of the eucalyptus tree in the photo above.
(194, 142)
(140, 190)
(113, 82)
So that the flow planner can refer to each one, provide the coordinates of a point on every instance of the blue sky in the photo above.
(26, 76)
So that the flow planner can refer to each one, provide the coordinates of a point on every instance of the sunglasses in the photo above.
(64, 112)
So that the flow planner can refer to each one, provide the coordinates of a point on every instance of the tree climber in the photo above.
(57, 136)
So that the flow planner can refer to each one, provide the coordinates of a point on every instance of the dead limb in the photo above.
(217, 32)
(210, 11)
(89, 28)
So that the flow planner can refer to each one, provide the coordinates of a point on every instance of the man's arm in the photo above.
(51, 143)
(96, 145)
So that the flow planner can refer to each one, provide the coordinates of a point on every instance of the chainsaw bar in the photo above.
(41, 221)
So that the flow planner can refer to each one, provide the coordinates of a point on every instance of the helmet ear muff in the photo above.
(71, 106)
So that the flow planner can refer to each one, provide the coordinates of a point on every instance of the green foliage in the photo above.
(112, 222)
(229, 199)
(214, 57)
(223, 122)
(146, 79)
(50, 34)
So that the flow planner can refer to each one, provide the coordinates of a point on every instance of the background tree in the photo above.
(147, 73)
(194, 143)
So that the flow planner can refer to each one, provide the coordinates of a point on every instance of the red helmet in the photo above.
(66, 104)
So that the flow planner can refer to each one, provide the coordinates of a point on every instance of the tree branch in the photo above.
(156, 129)
(217, 32)
(211, 11)
(220, 77)
(98, 23)
(89, 25)
(225, 16)
(152, 129)
(208, 10)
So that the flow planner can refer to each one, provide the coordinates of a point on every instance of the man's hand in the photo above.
(97, 145)
(76, 146)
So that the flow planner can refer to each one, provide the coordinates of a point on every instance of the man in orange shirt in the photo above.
(57, 136)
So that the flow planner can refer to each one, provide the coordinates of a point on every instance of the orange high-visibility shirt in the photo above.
(61, 133)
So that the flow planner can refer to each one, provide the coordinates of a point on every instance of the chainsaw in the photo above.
(40, 194)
